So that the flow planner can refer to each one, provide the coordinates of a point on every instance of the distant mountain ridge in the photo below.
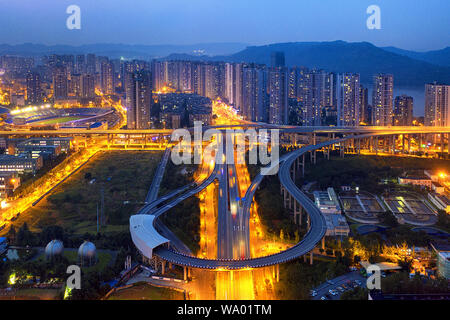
(438, 57)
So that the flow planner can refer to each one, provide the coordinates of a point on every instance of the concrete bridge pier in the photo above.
(313, 155)
(342, 148)
(393, 144)
(421, 142)
(376, 145)
(285, 198)
(184, 274)
(291, 199)
(127, 141)
(277, 278)
(297, 213)
(311, 258)
(409, 144)
(163, 267)
(448, 144)
(333, 136)
(403, 143)
(303, 165)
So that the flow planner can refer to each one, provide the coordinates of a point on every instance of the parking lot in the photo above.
(332, 289)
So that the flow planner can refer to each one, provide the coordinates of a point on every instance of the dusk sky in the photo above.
(408, 24)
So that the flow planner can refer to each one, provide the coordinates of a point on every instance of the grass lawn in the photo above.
(147, 292)
(57, 120)
(125, 177)
(103, 259)
(34, 294)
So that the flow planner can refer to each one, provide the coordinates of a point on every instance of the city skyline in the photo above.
(219, 22)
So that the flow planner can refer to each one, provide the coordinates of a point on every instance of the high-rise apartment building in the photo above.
(365, 114)
(348, 100)
(107, 77)
(382, 100)
(138, 90)
(278, 95)
(88, 86)
(403, 110)
(60, 82)
(437, 105)
(80, 64)
(316, 91)
(277, 59)
(254, 93)
(34, 90)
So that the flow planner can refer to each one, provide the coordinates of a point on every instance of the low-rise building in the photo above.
(437, 187)
(327, 201)
(328, 204)
(20, 164)
(416, 178)
(443, 259)
(9, 181)
(63, 142)
(336, 225)
(36, 151)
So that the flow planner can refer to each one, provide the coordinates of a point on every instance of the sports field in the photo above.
(57, 120)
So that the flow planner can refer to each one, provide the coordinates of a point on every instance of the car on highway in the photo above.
(313, 293)
(323, 298)
(340, 289)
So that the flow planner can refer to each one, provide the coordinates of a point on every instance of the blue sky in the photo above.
(409, 24)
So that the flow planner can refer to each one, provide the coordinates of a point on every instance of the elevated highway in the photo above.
(317, 228)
